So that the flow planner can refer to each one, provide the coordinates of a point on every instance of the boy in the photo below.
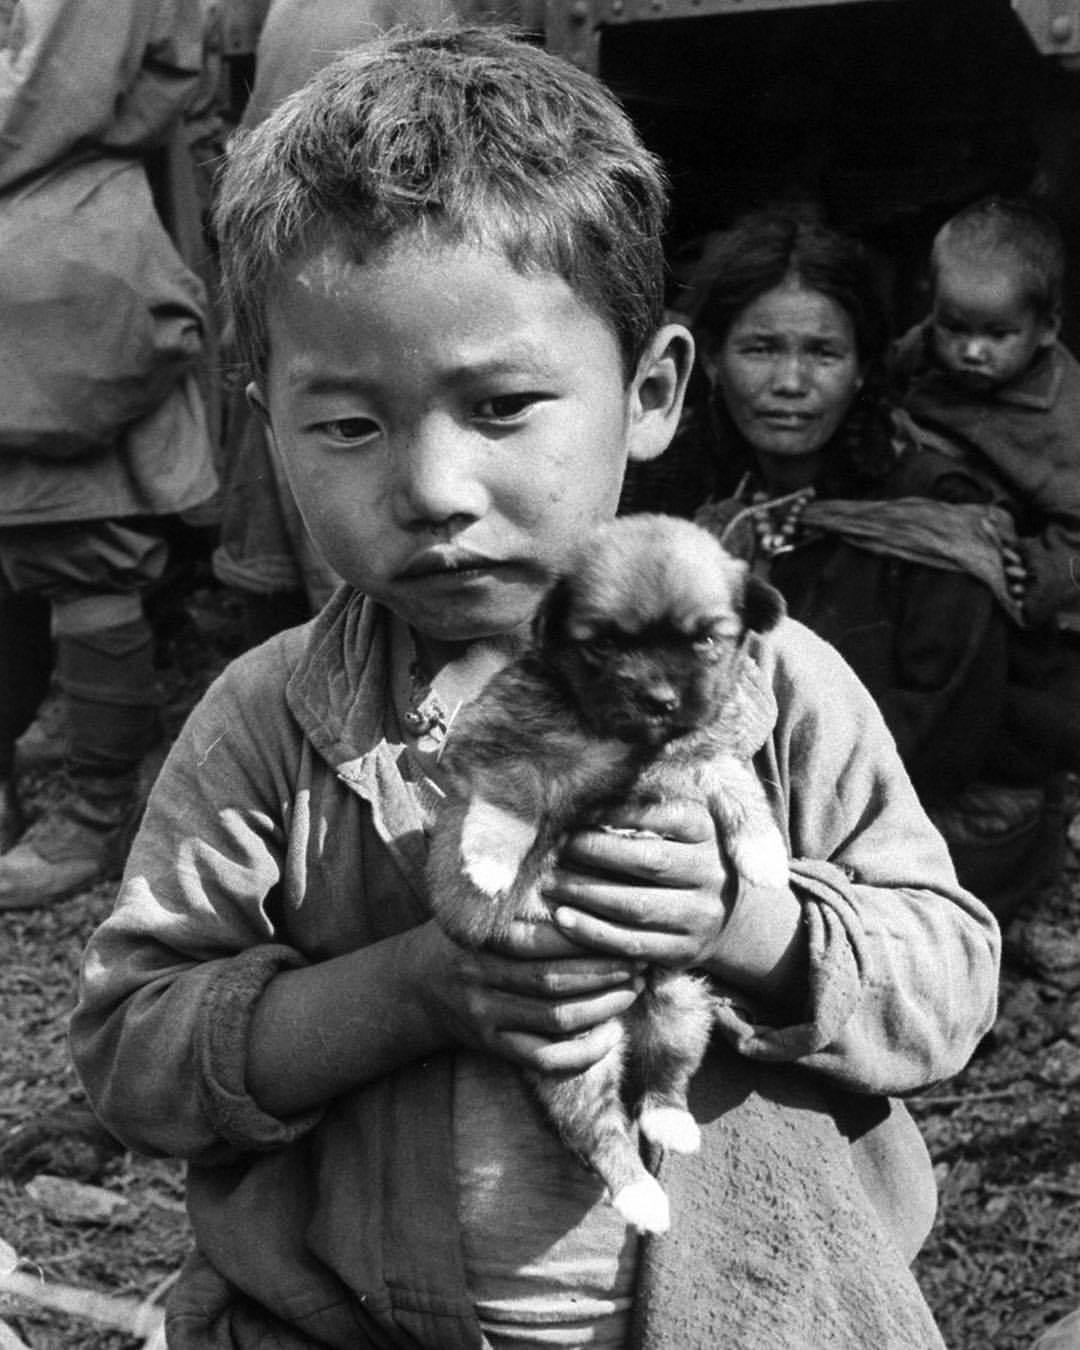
(987, 372)
(444, 259)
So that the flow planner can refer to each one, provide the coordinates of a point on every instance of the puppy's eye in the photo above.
(708, 647)
(598, 650)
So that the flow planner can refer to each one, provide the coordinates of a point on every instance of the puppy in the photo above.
(629, 693)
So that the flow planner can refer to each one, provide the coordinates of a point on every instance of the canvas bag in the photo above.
(99, 316)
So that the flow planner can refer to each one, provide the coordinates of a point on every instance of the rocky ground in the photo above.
(1003, 1260)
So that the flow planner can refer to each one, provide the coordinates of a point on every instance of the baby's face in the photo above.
(985, 331)
(450, 427)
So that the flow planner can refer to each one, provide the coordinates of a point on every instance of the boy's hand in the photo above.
(662, 897)
(538, 1001)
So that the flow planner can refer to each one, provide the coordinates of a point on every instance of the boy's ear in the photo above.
(257, 403)
(658, 389)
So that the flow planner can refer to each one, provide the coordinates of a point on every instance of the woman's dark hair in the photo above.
(763, 250)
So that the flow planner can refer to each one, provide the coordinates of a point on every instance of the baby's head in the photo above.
(997, 270)
(466, 135)
(444, 260)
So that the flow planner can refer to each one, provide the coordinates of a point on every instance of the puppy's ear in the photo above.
(763, 605)
(549, 622)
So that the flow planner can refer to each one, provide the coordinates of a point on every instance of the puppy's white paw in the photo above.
(761, 858)
(493, 846)
(644, 1205)
(491, 876)
(670, 1127)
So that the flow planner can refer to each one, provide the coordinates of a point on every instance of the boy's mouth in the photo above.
(441, 561)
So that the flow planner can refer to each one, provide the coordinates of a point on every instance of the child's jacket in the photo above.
(281, 832)
(1028, 435)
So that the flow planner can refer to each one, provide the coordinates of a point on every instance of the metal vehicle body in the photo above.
(884, 115)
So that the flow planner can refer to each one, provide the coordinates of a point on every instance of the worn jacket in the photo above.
(281, 832)
(111, 102)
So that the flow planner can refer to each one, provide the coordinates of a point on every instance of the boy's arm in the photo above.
(903, 963)
(170, 982)
(202, 1029)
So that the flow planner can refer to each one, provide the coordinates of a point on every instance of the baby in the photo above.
(987, 373)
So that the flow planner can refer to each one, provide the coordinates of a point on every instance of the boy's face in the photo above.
(451, 427)
(985, 331)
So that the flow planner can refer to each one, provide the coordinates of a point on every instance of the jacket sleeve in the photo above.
(903, 962)
(169, 980)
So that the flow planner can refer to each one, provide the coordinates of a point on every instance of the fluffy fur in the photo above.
(629, 692)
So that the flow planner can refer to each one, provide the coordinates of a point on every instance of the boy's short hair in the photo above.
(1013, 233)
(471, 133)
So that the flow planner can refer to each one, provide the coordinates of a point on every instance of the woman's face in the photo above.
(788, 370)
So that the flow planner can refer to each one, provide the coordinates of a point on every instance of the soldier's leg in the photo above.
(105, 670)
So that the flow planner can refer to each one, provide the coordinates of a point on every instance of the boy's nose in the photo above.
(435, 473)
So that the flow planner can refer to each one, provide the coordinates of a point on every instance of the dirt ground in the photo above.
(1002, 1262)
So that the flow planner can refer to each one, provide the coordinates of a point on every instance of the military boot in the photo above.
(79, 840)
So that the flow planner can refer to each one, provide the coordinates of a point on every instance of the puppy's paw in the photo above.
(493, 847)
(644, 1205)
(761, 858)
(491, 876)
(670, 1127)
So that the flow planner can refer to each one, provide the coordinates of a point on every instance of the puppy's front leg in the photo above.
(494, 845)
(748, 830)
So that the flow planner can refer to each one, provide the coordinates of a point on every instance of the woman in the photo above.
(885, 546)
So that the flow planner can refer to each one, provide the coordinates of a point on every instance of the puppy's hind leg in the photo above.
(587, 1112)
(670, 1036)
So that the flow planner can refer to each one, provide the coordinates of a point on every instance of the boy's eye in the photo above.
(350, 428)
(505, 407)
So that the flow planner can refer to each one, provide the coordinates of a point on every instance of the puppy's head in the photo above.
(646, 625)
